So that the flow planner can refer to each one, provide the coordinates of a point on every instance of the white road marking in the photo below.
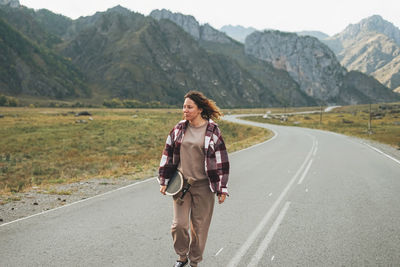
(268, 238)
(253, 236)
(305, 172)
(219, 251)
(273, 257)
(80, 201)
(306, 190)
(270, 195)
(381, 152)
(316, 148)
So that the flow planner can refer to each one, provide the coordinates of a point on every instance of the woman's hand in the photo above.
(221, 198)
(163, 188)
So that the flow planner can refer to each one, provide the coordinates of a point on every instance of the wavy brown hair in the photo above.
(210, 109)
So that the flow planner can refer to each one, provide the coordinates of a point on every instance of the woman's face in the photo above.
(190, 110)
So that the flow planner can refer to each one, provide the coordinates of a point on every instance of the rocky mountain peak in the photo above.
(119, 9)
(188, 23)
(11, 3)
(373, 24)
(191, 25)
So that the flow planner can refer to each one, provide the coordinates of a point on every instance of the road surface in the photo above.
(304, 198)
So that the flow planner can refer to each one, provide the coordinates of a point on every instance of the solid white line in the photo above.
(305, 172)
(219, 251)
(253, 236)
(383, 153)
(268, 238)
(79, 201)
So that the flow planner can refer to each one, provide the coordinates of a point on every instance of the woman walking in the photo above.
(196, 148)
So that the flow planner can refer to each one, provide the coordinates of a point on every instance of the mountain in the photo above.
(371, 46)
(30, 70)
(239, 33)
(278, 82)
(315, 67)
(120, 53)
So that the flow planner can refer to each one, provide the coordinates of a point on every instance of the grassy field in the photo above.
(51, 146)
(349, 120)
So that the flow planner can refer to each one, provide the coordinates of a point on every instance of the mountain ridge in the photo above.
(123, 54)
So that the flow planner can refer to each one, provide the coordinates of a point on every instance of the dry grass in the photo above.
(351, 120)
(40, 147)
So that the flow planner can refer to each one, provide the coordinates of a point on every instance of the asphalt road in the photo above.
(304, 198)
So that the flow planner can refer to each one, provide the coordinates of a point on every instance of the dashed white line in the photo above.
(273, 257)
(253, 236)
(219, 251)
(268, 238)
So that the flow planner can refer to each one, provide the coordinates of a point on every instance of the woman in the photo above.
(196, 148)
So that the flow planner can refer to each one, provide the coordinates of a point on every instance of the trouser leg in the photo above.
(202, 208)
(180, 226)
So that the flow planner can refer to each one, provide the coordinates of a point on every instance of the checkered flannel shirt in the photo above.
(216, 160)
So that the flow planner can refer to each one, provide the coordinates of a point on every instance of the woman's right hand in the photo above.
(163, 188)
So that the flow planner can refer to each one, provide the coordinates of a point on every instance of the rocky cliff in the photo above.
(309, 62)
(191, 26)
(371, 46)
(315, 67)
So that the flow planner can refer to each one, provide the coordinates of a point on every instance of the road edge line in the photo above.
(381, 152)
(77, 202)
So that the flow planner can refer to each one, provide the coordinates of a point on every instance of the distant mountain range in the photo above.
(239, 33)
(123, 54)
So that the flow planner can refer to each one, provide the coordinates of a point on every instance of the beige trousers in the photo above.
(197, 209)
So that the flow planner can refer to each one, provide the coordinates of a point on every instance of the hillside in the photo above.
(128, 55)
(30, 70)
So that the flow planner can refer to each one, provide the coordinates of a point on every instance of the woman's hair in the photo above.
(210, 109)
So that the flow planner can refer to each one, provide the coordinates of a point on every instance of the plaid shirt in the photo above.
(216, 160)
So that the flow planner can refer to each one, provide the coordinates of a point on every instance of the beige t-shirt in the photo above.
(192, 153)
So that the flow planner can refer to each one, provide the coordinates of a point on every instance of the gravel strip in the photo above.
(38, 200)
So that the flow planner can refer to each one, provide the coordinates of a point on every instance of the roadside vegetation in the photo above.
(378, 122)
(41, 147)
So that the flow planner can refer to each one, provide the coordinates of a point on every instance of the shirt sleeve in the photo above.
(166, 159)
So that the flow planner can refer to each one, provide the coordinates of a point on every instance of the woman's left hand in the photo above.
(221, 198)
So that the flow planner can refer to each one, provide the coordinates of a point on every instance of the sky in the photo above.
(328, 16)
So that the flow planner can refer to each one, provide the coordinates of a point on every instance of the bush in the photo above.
(8, 101)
